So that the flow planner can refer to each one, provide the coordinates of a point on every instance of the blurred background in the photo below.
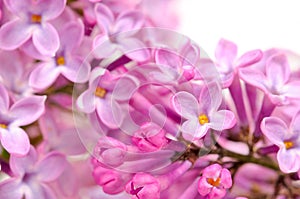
(250, 24)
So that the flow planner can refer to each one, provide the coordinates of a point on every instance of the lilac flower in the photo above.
(117, 34)
(31, 176)
(23, 112)
(203, 114)
(66, 60)
(287, 139)
(214, 182)
(274, 81)
(32, 22)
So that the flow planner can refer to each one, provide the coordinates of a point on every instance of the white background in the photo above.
(251, 24)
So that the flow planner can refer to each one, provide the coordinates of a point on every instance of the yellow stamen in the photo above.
(36, 18)
(60, 61)
(100, 92)
(4, 126)
(203, 119)
(213, 182)
(288, 144)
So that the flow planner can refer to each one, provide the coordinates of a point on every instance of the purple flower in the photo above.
(23, 112)
(32, 22)
(274, 81)
(66, 60)
(287, 139)
(202, 114)
(214, 182)
(31, 175)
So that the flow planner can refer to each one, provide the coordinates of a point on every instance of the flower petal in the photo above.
(278, 70)
(86, 101)
(226, 179)
(226, 52)
(20, 165)
(105, 17)
(291, 89)
(210, 97)
(103, 47)
(192, 130)
(4, 99)
(288, 160)
(254, 77)
(71, 35)
(249, 58)
(129, 21)
(15, 141)
(167, 58)
(51, 9)
(27, 110)
(11, 189)
(221, 120)
(17, 7)
(185, 104)
(51, 167)
(13, 34)
(134, 49)
(125, 88)
(76, 70)
(43, 76)
(274, 129)
(46, 39)
(295, 124)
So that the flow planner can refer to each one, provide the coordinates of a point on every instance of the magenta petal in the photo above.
(213, 171)
(46, 39)
(226, 179)
(51, 167)
(50, 9)
(185, 104)
(11, 189)
(203, 187)
(76, 70)
(15, 141)
(279, 65)
(43, 76)
(288, 160)
(226, 52)
(134, 49)
(27, 110)
(129, 21)
(21, 165)
(274, 129)
(13, 34)
(104, 17)
(217, 193)
(249, 58)
(4, 99)
(221, 120)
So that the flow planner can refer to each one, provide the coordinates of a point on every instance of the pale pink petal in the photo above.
(167, 58)
(11, 189)
(46, 39)
(134, 49)
(86, 101)
(278, 70)
(212, 171)
(226, 52)
(129, 21)
(191, 54)
(76, 70)
(4, 99)
(249, 58)
(17, 7)
(71, 35)
(110, 113)
(15, 141)
(185, 104)
(21, 165)
(13, 34)
(253, 77)
(210, 97)
(103, 47)
(288, 160)
(43, 76)
(221, 120)
(192, 130)
(27, 110)
(105, 17)
(291, 89)
(295, 124)
(274, 129)
(51, 167)
(51, 9)
(124, 88)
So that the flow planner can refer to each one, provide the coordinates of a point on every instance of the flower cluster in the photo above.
(99, 100)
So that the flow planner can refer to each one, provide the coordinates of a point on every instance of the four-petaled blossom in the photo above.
(202, 114)
(214, 182)
(21, 113)
(65, 62)
(31, 176)
(32, 22)
(287, 139)
(275, 81)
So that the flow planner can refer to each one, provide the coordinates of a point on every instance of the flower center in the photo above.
(4, 126)
(288, 144)
(213, 182)
(60, 61)
(203, 119)
(100, 92)
(36, 18)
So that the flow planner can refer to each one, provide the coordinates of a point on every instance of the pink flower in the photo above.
(214, 181)
(287, 139)
(143, 186)
(32, 175)
(32, 22)
(202, 114)
(274, 81)
(66, 60)
(23, 112)
(117, 34)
